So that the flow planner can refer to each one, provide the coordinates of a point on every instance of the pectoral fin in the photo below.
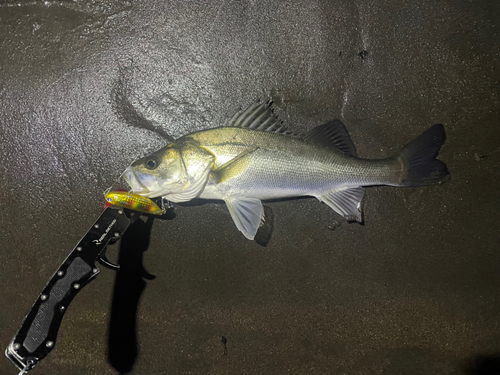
(247, 214)
(233, 167)
(346, 202)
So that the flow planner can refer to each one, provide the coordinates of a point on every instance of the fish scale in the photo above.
(285, 166)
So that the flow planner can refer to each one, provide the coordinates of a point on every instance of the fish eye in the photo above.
(152, 163)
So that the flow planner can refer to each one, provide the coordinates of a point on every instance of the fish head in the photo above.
(177, 172)
(156, 174)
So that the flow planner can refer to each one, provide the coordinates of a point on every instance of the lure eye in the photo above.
(152, 163)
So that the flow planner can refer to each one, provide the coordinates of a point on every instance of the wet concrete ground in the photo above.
(88, 86)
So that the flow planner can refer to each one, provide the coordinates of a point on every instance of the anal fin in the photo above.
(247, 214)
(347, 202)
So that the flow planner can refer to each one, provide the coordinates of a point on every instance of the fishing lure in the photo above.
(133, 202)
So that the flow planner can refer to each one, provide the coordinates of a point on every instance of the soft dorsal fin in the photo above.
(258, 116)
(333, 134)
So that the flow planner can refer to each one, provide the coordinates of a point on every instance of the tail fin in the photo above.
(419, 157)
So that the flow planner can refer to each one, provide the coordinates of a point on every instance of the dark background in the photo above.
(88, 86)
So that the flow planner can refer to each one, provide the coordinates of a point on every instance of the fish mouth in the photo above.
(135, 184)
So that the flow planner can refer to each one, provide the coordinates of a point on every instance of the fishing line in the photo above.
(116, 182)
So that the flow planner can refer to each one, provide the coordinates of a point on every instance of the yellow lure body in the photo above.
(133, 202)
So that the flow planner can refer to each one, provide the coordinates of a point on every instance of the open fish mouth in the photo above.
(134, 182)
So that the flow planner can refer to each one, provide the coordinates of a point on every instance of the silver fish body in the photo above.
(254, 158)
(283, 166)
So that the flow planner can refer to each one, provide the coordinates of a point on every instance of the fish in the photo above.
(253, 157)
(133, 202)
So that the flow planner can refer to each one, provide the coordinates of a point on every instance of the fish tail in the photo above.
(419, 159)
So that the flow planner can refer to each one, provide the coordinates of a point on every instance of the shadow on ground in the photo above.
(484, 364)
(130, 283)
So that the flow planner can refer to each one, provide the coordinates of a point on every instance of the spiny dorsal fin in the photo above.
(258, 116)
(333, 134)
